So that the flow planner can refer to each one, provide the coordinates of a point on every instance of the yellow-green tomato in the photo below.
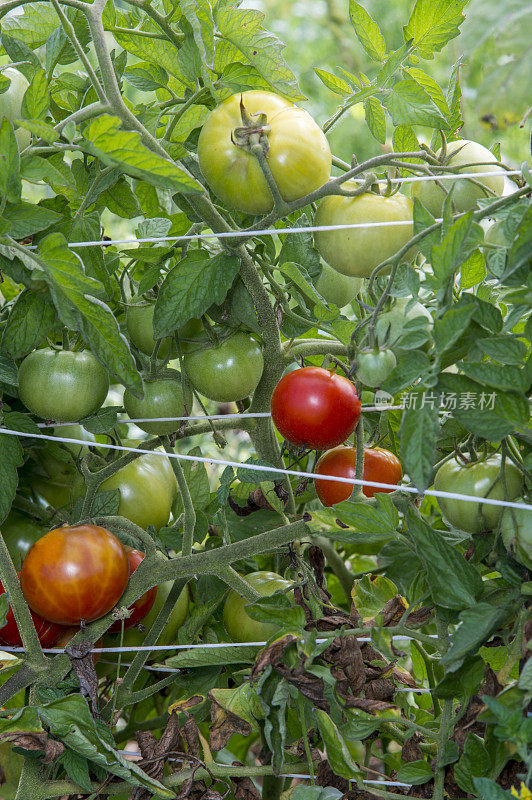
(465, 192)
(516, 532)
(147, 487)
(390, 325)
(479, 479)
(227, 371)
(299, 156)
(163, 397)
(11, 103)
(357, 251)
(238, 624)
(337, 288)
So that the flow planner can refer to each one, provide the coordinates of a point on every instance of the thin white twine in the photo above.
(310, 229)
(261, 468)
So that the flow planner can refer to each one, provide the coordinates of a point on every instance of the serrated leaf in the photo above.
(409, 104)
(199, 16)
(367, 31)
(410, 366)
(419, 432)
(146, 77)
(338, 754)
(473, 270)
(392, 64)
(416, 773)
(26, 219)
(194, 284)
(10, 183)
(506, 349)
(404, 140)
(375, 118)
(433, 23)
(380, 520)
(332, 82)
(37, 98)
(423, 219)
(126, 150)
(499, 377)
(44, 131)
(156, 51)
(451, 326)
(29, 322)
(432, 88)
(452, 252)
(216, 656)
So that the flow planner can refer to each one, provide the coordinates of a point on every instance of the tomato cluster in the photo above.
(72, 575)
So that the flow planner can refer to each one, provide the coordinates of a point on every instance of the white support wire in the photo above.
(261, 468)
(276, 231)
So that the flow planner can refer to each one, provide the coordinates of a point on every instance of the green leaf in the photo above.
(423, 219)
(375, 118)
(292, 271)
(277, 610)
(454, 582)
(489, 790)
(338, 754)
(332, 82)
(453, 250)
(156, 51)
(371, 593)
(474, 763)
(367, 31)
(404, 140)
(380, 520)
(242, 30)
(73, 294)
(303, 792)
(207, 657)
(432, 88)
(37, 98)
(26, 219)
(31, 319)
(464, 682)
(410, 366)
(473, 270)
(77, 769)
(199, 16)
(10, 183)
(433, 23)
(11, 457)
(477, 626)
(416, 773)
(419, 432)
(146, 77)
(449, 328)
(409, 104)
(506, 349)
(507, 377)
(44, 131)
(392, 64)
(194, 284)
(126, 150)
(520, 250)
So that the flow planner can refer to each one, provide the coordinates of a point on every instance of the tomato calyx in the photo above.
(252, 132)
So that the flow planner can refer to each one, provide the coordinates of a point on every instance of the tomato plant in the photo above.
(75, 573)
(485, 478)
(230, 370)
(298, 153)
(516, 533)
(380, 466)
(315, 408)
(238, 624)
(357, 251)
(163, 397)
(11, 103)
(463, 156)
(141, 607)
(374, 366)
(62, 385)
(48, 632)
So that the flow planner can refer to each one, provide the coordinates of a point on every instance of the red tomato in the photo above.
(315, 407)
(47, 632)
(75, 573)
(380, 466)
(143, 605)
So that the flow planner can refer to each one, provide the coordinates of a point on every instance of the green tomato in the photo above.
(139, 324)
(75, 432)
(466, 193)
(480, 479)
(147, 487)
(357, 251)
(11, 103)
(336, 288)
(163, 397)
(238, 624)
(495, 234)
(62, 385)
(516, 532)
(390, 325)
(228, 371)
(374, 366)
(299, 156)
(19, 533)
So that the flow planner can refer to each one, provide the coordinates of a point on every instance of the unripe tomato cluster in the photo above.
(73, 575)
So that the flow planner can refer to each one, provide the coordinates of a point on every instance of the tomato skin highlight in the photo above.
(314, 407)
(48, 632)
(141, 607)
(75, 573)
(476, 479)
(299, 155)
(62, 385)
(380, 466)
(357, 251)
(238, 624)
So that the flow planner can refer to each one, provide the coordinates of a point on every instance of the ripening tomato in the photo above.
(163, 397)
(228, 371)
(11, 103)
(299, 156)
(479, 479)
(140, 608)
(48, 632)
(238, 624)
(75, 573)
(380, 466)
(315, 407)
(465, 192)
(62, 385)
(357, 251)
